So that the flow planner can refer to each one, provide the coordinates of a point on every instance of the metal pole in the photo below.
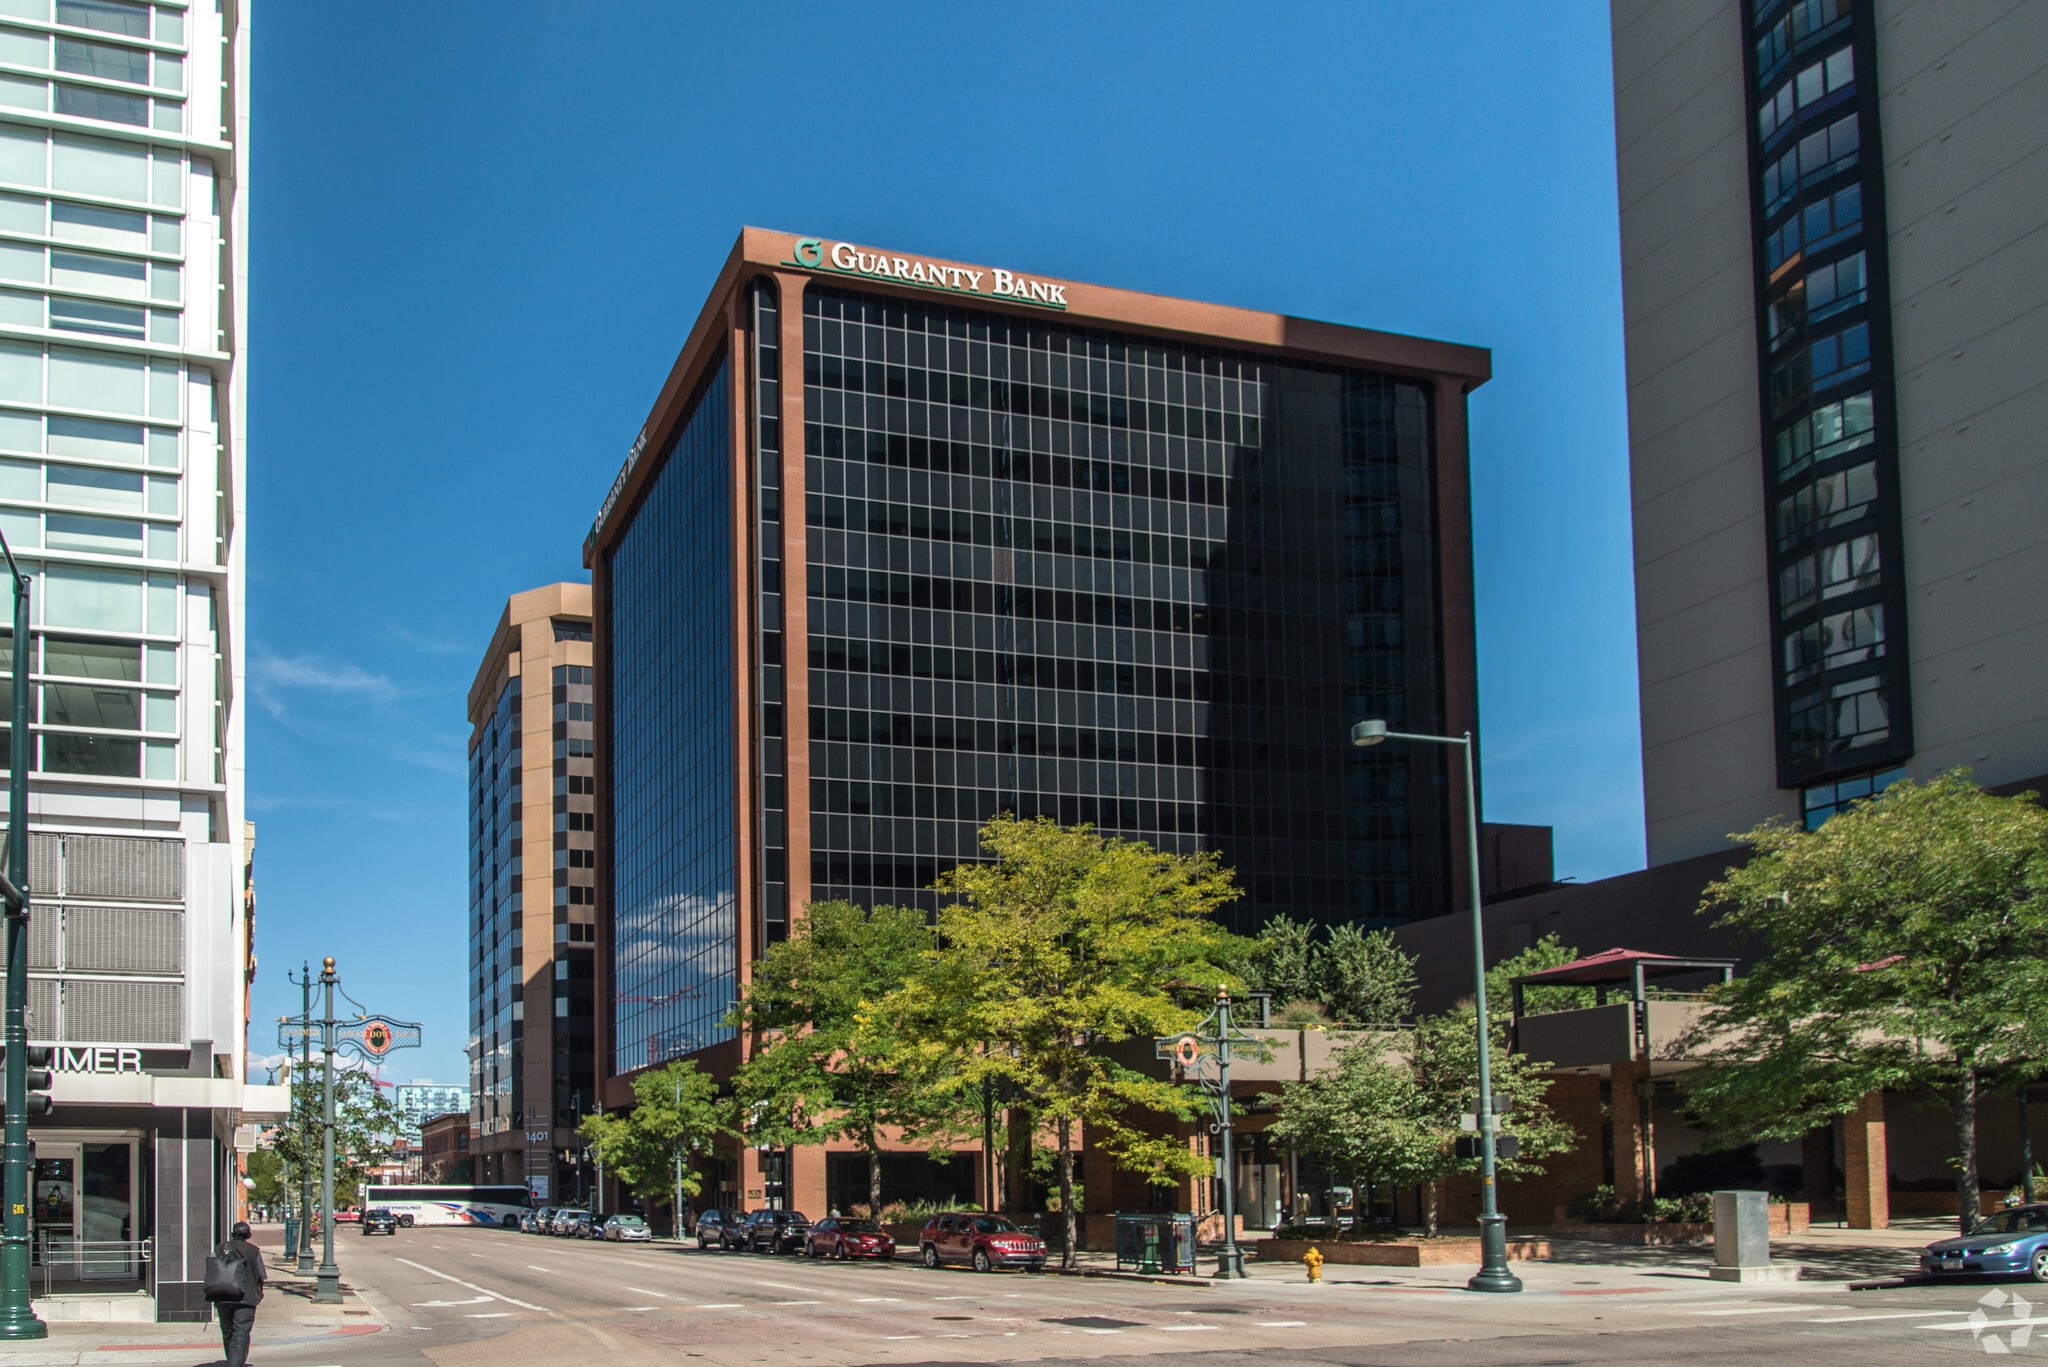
(1493, 1274)
(1232, 1263)
(328, 1289)
(2026, 1150)
(305, 1121)
(678, 1217)
(17, 1318)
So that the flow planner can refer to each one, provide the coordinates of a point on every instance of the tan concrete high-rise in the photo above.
(531, 798)
(1832, 267)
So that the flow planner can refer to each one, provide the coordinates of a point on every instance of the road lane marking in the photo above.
(440, 1305)
(484, 1290)
(797, 1302)
(885, 1300)
(721, 1305)
(969, 1298)
(635, 1309)
(536, 1267)
(1763, 1310)
(492, 1315)
(1284, 1324)
(2013, 1323)
(635, 1262)
(663, 1295)
(1189, 1328)
(1894, 1315)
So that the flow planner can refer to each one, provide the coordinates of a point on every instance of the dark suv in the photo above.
(378, 1220)
(983, 1241)
(775, 1231)
(719, 1227)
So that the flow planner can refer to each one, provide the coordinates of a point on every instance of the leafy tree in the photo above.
(1065, 942)
(1391, 1108)
(1282, 960)
(837, 1062)
(1548, 952)
(676, 1117)
(1363, 978)
(364, 1122)
(1906, 947)
(266, 1170)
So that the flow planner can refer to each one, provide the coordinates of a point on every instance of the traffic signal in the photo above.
(37, 1078)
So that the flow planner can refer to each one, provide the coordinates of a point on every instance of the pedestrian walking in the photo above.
(234, 1283)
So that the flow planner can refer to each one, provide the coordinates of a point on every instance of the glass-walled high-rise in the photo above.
(531, 902)
(905, 544)
(123, 249)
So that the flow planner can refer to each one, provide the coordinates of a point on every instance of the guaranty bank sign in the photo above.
(843, 258)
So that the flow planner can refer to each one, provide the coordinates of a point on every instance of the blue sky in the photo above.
(481, 229)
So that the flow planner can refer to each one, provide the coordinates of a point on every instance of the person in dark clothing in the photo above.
(237, 1318)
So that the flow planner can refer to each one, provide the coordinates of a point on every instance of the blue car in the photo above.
(2012, 1243)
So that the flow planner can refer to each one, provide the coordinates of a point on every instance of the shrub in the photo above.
(1693, 1208)
(1713, 1170)
(1600, 1207)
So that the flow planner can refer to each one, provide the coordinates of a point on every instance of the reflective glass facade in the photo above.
(1829, 429)
(494, 908)
(671, 705)
(1103, 578)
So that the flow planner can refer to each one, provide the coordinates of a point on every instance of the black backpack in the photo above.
(227, 1274)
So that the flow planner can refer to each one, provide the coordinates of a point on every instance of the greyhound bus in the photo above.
(450, 1205)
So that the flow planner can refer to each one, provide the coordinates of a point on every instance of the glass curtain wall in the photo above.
(495, 1008)
(1092, 577)
(674, 892)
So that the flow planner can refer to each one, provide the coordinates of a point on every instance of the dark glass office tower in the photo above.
(906, 544)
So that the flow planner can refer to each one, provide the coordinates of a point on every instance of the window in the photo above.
(102, 227)
(84, 379)
(88, 166)
(1786, 315)
(1830, 501)
(1823, 800)
(1848, 566)
(100, 274)
(123, 17)
(97, 707)
(92, 599)
(1852, 637)
(1831, 430)
(107, 320)
(111, 490)
(82, 658)
(1834, 358)
(94, 535)
(88, 103)
(103, 61)
(1835, 287)
(1858, 713)
(98, 756)
(1833, 73)
(1775, 112)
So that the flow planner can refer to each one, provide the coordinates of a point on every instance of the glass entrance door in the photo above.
(84, 1200)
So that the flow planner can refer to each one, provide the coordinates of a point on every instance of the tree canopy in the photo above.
(364, 1122)
(1356, 977)
(1905, 946)
(676, 1114)
(1064, 942)
(835, 1061)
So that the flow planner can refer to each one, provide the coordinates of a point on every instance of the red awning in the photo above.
(1619, 966)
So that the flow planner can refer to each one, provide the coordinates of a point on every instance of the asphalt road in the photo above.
(488, 1298)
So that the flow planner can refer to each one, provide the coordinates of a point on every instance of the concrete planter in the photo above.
(1786, 1219)
(1407, 1253)
(1638, 1234)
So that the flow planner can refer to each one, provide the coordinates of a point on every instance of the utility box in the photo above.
(1742, 1240)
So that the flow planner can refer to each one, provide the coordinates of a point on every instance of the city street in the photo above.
(486, 1298)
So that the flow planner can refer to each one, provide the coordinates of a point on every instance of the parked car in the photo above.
(2012, 1243)
(774, 1231)
(981, 1240)
(720, 1228)
(378, 1220)
(536, 1221)
(846, 1237)
(348, 1216)
(625, 1229)
(558, 1219)
(575, 1224)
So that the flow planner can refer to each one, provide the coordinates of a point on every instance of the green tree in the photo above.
(364, 1122)
(1391, 1108)
(1905, 947)
(1065, 942)
(835, 1059)
(1362, 977)
(1548, 952)
(266, 1170)
(1281, 960)
(656, 1147)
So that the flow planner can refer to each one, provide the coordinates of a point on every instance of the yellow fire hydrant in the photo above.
(1313, 1261)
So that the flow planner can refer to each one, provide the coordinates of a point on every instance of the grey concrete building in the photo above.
(1833, 259)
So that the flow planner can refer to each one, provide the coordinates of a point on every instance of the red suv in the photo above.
(980, 1239)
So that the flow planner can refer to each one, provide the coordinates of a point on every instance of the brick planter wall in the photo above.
(1926, 1203)
(1417, 1253)
(1633, 1233)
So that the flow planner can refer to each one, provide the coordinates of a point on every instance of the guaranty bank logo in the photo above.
(843, 258)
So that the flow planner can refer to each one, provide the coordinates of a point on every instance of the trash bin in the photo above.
(291, 1237)
(1156, 1243)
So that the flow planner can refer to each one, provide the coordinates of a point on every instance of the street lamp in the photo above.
(18, 1319)
(1493, 1274)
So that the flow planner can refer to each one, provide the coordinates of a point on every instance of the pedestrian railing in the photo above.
(76, 1264)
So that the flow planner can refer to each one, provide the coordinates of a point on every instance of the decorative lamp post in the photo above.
(1493, 1274)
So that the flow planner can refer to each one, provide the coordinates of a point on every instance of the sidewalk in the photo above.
(288, 1315)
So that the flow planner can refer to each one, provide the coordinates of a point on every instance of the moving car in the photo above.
(575, 1224)
(847, 1237)
(2012, 1243)
(348, 1216)
(626, 1229)
(981, 1240)
(536, 1221)
(720, 1227)
(378, 1220)
(774, 1231)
